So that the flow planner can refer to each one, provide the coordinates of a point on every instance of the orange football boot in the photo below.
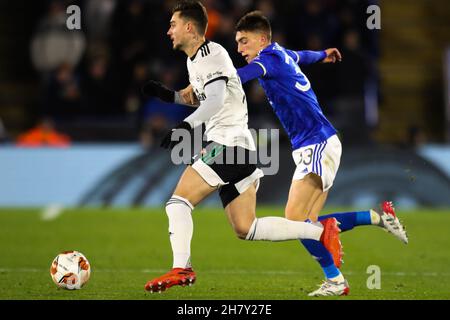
(330, 240)
(175, 277)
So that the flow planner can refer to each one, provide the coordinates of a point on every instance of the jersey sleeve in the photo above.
(306, 57)
(215, 93)
(268, 63)
(295, 55)
(250, 72)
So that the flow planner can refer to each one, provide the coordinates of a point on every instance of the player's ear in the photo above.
(189, 26)
(263, 39)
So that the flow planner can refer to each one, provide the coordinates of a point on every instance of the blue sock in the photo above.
(349, 220)
(323, 256)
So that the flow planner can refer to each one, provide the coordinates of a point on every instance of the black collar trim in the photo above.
(202, 46)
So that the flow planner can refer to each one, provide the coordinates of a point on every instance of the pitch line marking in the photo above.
(52, 211)
(266, 272)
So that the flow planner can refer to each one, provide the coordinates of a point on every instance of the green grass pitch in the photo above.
(127, 247)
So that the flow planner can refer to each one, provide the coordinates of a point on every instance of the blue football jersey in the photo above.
(292, 98)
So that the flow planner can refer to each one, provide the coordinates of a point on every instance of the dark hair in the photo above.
(255, 21)
(195, 11)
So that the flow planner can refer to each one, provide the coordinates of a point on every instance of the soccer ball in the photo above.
(70, 270)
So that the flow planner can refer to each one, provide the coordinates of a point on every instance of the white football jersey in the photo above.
(229, 126)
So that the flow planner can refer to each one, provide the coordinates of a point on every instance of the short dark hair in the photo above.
(195, 11)
(255, 21)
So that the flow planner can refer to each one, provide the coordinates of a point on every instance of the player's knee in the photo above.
(242, 236)
(295, 214)
(241, 231)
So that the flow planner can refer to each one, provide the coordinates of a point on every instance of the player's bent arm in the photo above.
(187, 97)
(251, 71)
(215, 97)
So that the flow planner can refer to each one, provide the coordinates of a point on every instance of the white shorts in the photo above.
(322, 159)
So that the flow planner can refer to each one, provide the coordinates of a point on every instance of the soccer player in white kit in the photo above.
(223, 109)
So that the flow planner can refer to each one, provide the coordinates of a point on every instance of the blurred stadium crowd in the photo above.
(91, 78)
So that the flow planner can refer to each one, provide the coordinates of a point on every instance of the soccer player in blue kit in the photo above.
(223, 111)
(317, 149)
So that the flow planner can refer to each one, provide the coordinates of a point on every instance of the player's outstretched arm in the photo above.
(249, 72)
(306, 57)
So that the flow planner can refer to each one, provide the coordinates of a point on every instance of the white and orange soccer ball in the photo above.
(70, 270)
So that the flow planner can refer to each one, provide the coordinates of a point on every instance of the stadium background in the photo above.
(389, 99)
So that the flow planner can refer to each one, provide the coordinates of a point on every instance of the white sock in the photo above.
(339, 278)
(281, 229)
(181, 228)
(375, 217)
